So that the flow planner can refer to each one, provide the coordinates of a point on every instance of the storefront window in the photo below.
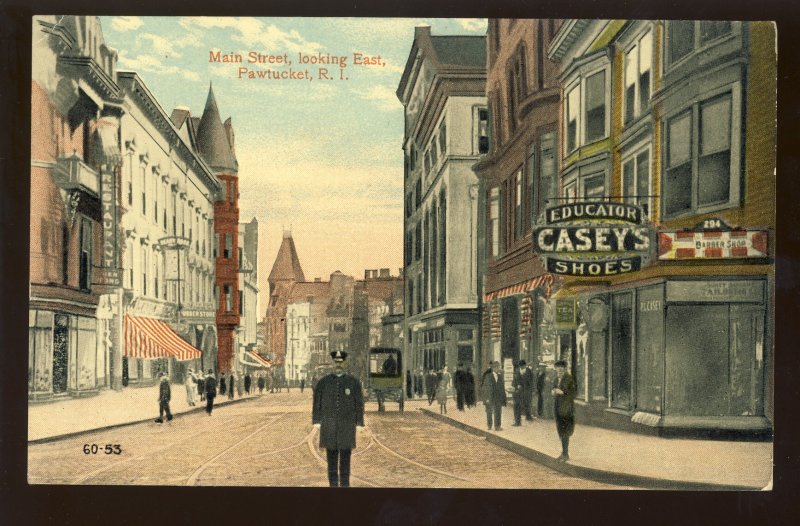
(41, 348)
(747, 360)
(621, 341)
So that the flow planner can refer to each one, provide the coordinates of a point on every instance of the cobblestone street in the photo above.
(269, 441)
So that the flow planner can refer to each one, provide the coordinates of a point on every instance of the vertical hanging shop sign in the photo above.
(108, 203)
(594, 239)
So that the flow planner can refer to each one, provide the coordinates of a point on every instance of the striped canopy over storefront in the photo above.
(260, 359)
(149, 338)
(491, 313)
(545, 280)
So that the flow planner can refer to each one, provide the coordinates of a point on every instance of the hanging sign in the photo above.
(594, 239)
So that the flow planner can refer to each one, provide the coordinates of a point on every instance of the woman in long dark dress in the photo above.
(469, 388)
(222, 385)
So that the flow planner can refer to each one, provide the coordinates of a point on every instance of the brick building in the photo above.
(519, 179)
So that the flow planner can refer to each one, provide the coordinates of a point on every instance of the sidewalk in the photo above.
(112, 408)
(626, 458)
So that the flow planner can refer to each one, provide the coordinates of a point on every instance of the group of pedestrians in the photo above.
(437, 385)
(523, 385)
(207, 387)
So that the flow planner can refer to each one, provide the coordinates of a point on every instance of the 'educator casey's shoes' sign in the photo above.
(594, 239)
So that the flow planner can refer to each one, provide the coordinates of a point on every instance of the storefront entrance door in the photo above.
(60, 353)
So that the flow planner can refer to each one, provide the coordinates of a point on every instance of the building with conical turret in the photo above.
(286, 271)
(216, 145)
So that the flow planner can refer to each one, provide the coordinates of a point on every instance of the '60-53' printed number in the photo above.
(108, 449)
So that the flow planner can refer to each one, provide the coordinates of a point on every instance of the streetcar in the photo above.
(385, 376)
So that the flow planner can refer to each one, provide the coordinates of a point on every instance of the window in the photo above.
(418, 242)
(586, 110)
(573, 108)
(687, 36)
(216, 245)
(65, 254)
(174, 214)
(518, 209)
(85, 276)
(145, 264)
(144, 191)
(434, 157)
(494, 220)
(228, 298)
(443, 139)
(427, 161)
(232, 192)
(594, 187)
(442, 247)
(228, 246)
(483, 130)
(241, 303)
(517, 85)
(418, 194)
(155, 278)
(571, 192)
(702, 171)
(636, 180)
(540, 55)
(638, 66)
(596, 106)
(130, 183)
(548, 175)
(241, 257)
(155, 197)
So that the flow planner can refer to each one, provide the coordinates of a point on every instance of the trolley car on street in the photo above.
(385, 376)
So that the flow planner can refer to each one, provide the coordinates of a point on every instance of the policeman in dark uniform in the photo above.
(338, 409)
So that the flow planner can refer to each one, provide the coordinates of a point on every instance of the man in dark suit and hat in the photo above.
(164, 395)
(493, 392)
(564, 401)
(338, 410)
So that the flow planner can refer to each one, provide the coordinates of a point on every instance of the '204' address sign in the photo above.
(594, 239)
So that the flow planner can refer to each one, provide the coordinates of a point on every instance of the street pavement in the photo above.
(609, 455)
(269, 441)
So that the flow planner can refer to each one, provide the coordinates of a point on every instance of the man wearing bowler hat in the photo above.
(338, 410)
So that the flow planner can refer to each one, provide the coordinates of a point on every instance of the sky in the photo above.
(321, 157)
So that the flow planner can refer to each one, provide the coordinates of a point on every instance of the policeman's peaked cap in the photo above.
(338, 356)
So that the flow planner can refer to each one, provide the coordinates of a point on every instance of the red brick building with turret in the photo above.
(215, 142)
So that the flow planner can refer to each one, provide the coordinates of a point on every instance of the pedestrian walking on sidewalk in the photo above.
(247, 382)
(231, 386)
(190, 384)
(302, 384)
(541, 378)
(210, 385)
(469, 388)
(528, 382)
(493, 392)
(430, 385)
(201, 385)
(164, 395)
(222, 386)
(518, 393)
(262, 382)
(409, 385)
(338, 410)
(459, 381)
(564, 406)
(441, 390)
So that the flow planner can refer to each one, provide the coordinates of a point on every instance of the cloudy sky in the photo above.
(322, 157)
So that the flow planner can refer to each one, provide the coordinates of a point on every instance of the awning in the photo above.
(545, 280)
(149, 338)
(257, 357)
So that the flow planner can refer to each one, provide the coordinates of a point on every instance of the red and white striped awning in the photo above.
(260, 359)
(149, 338)
(545, 280)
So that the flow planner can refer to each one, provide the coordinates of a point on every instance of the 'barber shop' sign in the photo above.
(594, 239)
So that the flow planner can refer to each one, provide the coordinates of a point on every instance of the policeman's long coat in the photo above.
(339, 408)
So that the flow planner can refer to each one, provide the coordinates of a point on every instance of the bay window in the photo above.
(687, 36)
